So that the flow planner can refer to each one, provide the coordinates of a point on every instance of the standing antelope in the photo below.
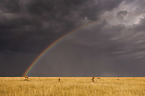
(26, 77)
(93, 79)
(58, 79)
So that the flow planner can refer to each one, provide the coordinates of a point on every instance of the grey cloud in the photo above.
(121, 14)
(127, 31)
(133, 15)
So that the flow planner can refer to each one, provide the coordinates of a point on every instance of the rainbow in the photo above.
(53, 44)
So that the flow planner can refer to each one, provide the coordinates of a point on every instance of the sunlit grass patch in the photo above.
(72, 86)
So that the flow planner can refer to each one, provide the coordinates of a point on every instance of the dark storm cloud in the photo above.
(29, 26)
(45, 20)
(114, 46)
(11, 6)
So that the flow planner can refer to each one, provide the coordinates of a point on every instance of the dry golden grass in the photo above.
(72, 86)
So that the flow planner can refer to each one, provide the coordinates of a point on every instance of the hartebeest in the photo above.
(26, 77)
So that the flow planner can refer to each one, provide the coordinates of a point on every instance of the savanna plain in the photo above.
(72, 86)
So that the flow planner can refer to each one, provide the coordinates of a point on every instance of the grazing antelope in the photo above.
(93, 79)
(26, 77)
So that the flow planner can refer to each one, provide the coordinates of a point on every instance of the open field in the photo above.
(72, 86)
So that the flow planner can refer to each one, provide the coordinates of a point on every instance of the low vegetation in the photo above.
(72, 86)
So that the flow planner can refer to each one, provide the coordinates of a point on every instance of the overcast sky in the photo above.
(113, 45)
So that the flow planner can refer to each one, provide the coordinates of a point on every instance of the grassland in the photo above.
(72, 86)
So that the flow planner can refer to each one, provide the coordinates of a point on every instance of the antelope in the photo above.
(93, 79)
(26, 77)
(58, 79)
